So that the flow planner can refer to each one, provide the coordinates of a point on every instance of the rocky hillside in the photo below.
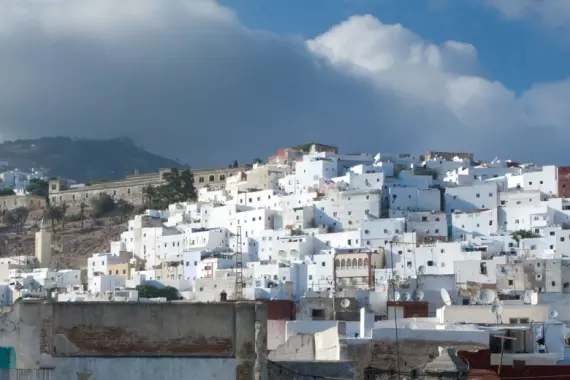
(83, 160)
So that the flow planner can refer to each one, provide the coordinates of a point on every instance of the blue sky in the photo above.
(516, 52)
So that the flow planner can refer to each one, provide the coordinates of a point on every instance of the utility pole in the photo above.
(238, 291)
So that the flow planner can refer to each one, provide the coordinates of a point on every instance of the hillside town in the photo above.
(328, 265)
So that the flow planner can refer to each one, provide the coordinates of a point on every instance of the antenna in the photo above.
(418, 295)
(238, 291)
(406, 296)
(445, 297)
(487, 296)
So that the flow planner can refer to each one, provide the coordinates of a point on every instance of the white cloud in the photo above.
(552, 13)
(186, 79)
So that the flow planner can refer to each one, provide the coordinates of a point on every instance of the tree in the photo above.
(151, 291)
(519, 235)
(38, 187)
(125, 208)
(62, 211)
(17, 218)
(82, 207)
(257, 160)
(102, 204)
(235, 164)
(54, 214)
(5, 191)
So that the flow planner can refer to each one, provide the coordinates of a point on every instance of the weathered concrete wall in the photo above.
(300, 370)
(42, 331)
(299, 347)
(89, 329)
(275, 333)
(413, 354)
(327, 344)
(144, 368)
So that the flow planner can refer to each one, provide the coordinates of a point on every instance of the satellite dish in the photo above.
(487, 296)
(422, 269)
(345, 303)
(567, 339)
(418, 295)
(553, 314)
(445, 297)
(394, 296)
(406, 296)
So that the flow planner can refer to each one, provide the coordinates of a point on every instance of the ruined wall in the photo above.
(118, 329)
(413, 354)
(98, 337)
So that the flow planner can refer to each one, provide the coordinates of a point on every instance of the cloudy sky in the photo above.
(210, 83)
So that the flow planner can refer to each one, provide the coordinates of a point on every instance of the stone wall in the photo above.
(75, 334)
(33, 202)
(131, 188)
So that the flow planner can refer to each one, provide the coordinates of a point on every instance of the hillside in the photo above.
(83, 160)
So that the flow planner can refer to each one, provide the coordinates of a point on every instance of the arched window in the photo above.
(359, 263)
(365, 263)
(354, 263)
(348, 264)
(336, 263)
(342, 264)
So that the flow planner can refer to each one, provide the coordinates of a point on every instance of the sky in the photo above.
(209, 82)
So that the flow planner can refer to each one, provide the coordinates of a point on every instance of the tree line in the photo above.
(178, 186)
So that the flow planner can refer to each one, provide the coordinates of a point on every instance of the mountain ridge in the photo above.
(84, 159)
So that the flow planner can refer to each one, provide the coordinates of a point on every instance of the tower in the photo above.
(238, 291)
(43, 246)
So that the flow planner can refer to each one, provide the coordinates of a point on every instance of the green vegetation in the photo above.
(257, 161)
(5, 191)
(55, 214)
(38, 187)
(304, 147)
(179, 187)
(523, 234)
(150, 291)
(17, 218)
(125, 208)
(85, 160)
(102, 204)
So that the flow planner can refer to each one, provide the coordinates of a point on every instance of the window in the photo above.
(483, 268)
(511, 282)
(222, 177)
(212, 178)
(318, 314)
(561, 239)
(430, 263)
(553, 283)
(490, 194)
(478, 195)
(552, 233)
(530, 183)
(424, 218)
(323, 264)
(436, 231)
(490, 222)
(541, 182)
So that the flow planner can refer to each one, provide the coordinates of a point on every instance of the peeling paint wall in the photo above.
(98, 336)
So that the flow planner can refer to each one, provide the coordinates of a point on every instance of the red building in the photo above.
(564, 181)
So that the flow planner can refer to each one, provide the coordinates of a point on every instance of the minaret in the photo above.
(43, 246)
